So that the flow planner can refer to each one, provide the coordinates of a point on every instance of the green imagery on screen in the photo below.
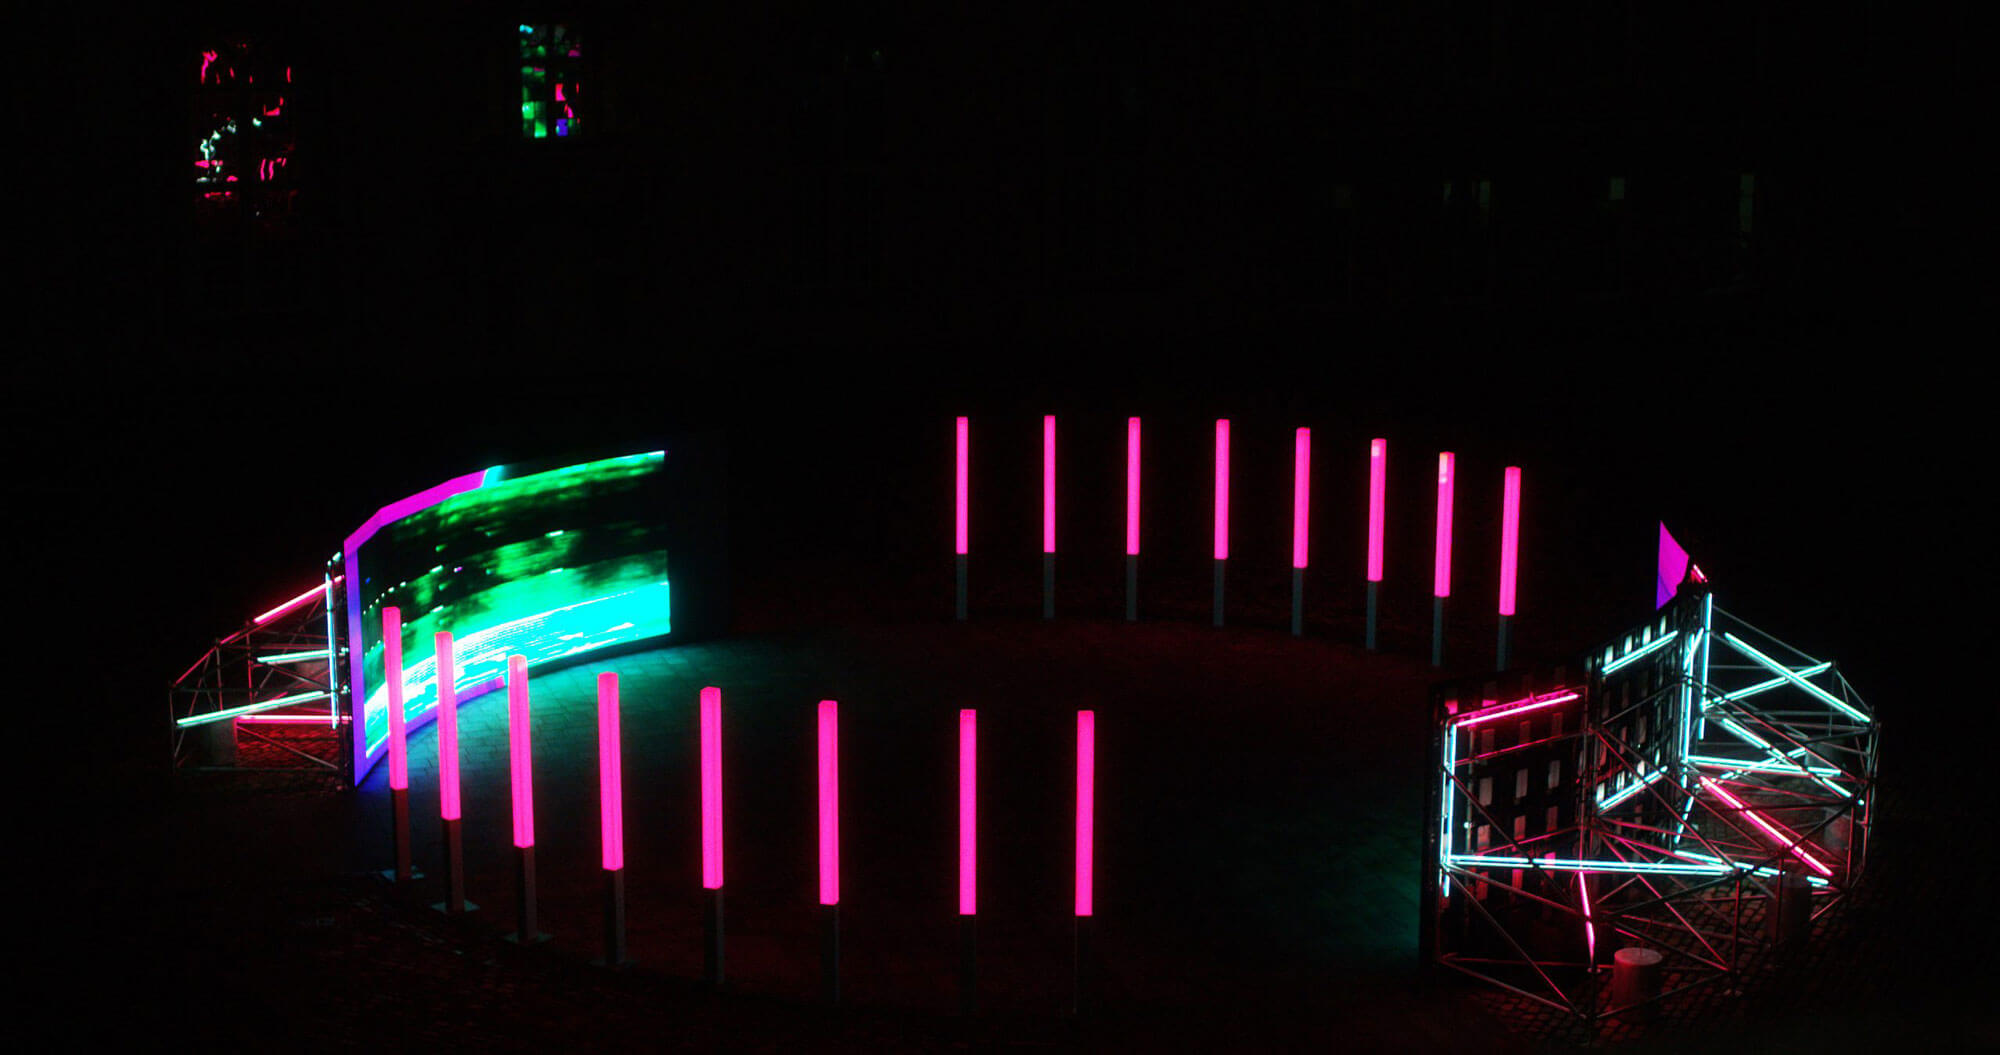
(545, 565)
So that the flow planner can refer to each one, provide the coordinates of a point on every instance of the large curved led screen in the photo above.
(541, 562)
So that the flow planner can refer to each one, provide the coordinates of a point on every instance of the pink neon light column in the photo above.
(610, 775)
(447, 723)
(392, 672)
(711, 788)
(963, 490)
(1086, 806)
(1378, 486)
(968, 812)
(829, 803)
(1222, 489)
(1301, 491)
(1441, 568)
(1510, 537)
(520, 754)
(1048, 483)
(1131, 487)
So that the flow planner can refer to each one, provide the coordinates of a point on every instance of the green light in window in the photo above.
(541, 129)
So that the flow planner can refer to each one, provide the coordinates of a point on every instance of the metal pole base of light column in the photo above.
(711, 938)
(1218, 592)
(959, 566)
(1048, 586)
(829, 953)
(399, 807)
(1131, 587)
(1298, 602)
(1084, 965)
(1500, 658)
(454, 903)
(525, 931)
(1370, 640)
(1437, 631)
(614, 921)
(968, 964)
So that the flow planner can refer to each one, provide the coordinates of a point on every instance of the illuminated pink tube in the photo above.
(711, 788)
(1086, 801)
(968, 812)
(1048, 483)
(1441, 570)
(1301, 489)
(520, 756)
(1777, 832)
(294, 602)
(1510, 536)
(1589, 924)
(1514, 707)
(964, 440)
(1222, 489)
(392, 672)
(1131, 487)
(447, 724)
(829, 803)
(610, 775)
(1378, 486)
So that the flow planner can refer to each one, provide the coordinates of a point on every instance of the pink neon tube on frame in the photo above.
(829, 803)
(1514, 707)
(392, 672)
(520, 756)
(1048, 483)
(1441, 570)
(964, 440)
(1301, 490)
(1131, 487)
(294, 602)
(1510, 536)
(610, 773)
(447, 723)
(711, 788)
(1086, 805)
(968, 812)
(1777, 832)
(1222, 489)
(1589, 925)
(1378, 486)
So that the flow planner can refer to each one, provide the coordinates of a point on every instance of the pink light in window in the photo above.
(964, 441)
(392, 673)
(1301, 489)
(1441, 570)
(1086, 802)
(829, 803)
(1514, 707)
(1776, 831)
(447, 723)
(276, 110)
(711, 788)
(1510, 536)
(559, 92)
(1378, 484)
(1221, 489)
(968, 812)
(1048, 483)
(520, 753)
(207, 58)
(610, 773)
(1132, 487)
(293, 603)
(288, 75)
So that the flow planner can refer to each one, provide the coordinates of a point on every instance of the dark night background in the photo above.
(817, 231)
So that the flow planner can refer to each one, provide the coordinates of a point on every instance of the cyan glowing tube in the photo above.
(1441, 564)
(1222, 489)
(1645, 650)
(1048, 483)
(610, 773)
(1510, 537)
(1301, 489)
(963, 490)
(1131, 487)
(711, 788)
(968, 812)
(275, 658)
(1785, 672)
(1633, 789)
(392, 675)
(447, 723)
(829, 803)
(1378, 491)
(1086, 806)
(520, 752)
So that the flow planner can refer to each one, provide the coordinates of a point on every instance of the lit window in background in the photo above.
(243, 132)
(551, 65)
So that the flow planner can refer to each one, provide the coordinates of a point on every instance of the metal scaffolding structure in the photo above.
(1694, 787)
(269, 691)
